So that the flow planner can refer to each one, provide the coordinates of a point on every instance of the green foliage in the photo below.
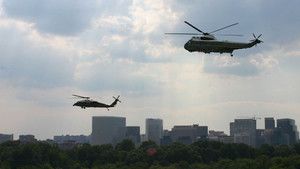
(199, 155)
(267, 150)
(179, 152)
(125, 145)
(283, 151)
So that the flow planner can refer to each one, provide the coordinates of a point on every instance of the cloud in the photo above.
(148, 16)
(62, 17)
(120, 76)
(226, 65)
(31, 61)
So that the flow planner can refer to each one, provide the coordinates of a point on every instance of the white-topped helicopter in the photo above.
(206, 41)
(87, 102)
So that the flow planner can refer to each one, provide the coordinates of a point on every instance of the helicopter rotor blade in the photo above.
(224, 27)
(194, 27)
(259, 36)
(228, 35)
(83, 97)
(183, 33)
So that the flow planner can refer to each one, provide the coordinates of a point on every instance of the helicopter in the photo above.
(87, 102)
(206, 42)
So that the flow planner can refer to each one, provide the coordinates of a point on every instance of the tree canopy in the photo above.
(125, 155)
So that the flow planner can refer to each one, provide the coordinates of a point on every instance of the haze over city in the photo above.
(53, 49)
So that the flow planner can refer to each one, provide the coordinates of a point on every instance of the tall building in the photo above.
(143, 138)
(166, 139)
(108, 130)
(289, 129)
(6, 137)
(133, 134)
(244, 131)
(231, 128)
(154, 130)
(269, 123)
(189, 134)
(261, 137)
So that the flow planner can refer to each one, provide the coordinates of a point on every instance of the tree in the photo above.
(125, 145)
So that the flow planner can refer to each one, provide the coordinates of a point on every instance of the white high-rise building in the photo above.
(154, 130)
(108, 130)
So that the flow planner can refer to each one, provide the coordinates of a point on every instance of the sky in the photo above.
(51, 49)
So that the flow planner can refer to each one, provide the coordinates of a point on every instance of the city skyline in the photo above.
(53, 49)
(114, 130)
(111, 125)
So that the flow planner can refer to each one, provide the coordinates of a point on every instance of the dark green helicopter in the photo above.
(206, 42)
(87, 102)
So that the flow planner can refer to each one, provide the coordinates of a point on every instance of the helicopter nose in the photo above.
(186, 46)
(75, 104)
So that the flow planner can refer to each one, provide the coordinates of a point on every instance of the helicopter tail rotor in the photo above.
(256, 39)
(116, 101)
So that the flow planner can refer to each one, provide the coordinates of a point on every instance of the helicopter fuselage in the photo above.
(198, 44)
(87, 102)
(90, 103)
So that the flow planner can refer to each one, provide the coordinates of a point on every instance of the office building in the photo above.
(231, 130)
(108, 130)
(6, 137)
(143, 138)
(260, 137)
(289, 129)
(188, 134)
(78, 139)
(133, 134)
(269, 123)
(219, 136)
(244, 131)
(154, 130)
(27, 138)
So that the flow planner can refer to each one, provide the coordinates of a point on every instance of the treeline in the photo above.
(199, 155)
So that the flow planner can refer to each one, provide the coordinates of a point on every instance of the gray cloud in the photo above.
(276, 20)
(63, 17)
(116, 76)
(32, 65)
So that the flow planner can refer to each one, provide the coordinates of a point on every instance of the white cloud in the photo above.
(148, 16)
